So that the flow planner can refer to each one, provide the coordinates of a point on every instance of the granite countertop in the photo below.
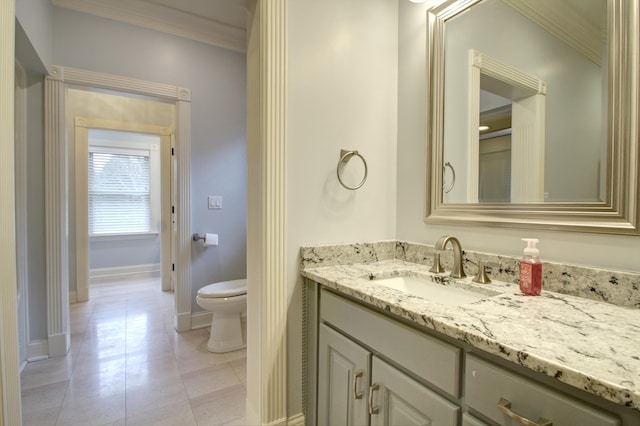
(588, 344)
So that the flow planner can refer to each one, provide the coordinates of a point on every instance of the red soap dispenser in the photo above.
(531, 269)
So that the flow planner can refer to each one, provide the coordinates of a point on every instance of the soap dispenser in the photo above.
(531, 269)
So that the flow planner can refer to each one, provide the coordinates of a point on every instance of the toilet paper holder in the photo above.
(197, 237)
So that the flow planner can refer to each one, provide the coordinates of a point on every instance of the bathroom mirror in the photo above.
(556, 82)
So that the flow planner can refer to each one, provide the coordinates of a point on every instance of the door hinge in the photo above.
(173, 267)
(172, 151)
(173, 209)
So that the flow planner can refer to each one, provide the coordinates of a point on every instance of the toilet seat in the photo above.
(224, 289)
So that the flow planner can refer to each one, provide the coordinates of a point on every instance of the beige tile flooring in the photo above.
(127, 366)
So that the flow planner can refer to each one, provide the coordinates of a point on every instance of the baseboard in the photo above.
(59, 344)
(73, 297)
(201, 319)
(101, 275)
(182, 322)
(37, 350)
(297, 420)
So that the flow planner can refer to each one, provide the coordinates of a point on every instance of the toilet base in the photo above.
(226, 333)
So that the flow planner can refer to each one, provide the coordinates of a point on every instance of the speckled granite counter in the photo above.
(590, 345)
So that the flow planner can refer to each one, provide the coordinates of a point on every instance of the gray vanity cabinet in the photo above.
(346, 396)
(360, 380)
(375, 370)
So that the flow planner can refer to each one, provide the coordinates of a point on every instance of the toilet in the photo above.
(228, 302)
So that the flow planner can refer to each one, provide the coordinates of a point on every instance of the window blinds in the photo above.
(119, 191)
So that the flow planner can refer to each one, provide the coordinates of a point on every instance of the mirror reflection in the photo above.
(525, 102)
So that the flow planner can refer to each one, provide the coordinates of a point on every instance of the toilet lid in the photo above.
(224, 289)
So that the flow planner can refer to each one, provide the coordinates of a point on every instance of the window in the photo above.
(123, 173)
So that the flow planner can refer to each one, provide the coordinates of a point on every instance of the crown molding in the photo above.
(565, 23)
(163, 19)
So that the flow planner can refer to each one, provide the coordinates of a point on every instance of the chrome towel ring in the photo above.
(446, 189)
(345, 156)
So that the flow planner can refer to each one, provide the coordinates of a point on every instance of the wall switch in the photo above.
(215, 202)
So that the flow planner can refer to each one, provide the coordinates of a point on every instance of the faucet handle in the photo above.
(437, 266)
(482, 277)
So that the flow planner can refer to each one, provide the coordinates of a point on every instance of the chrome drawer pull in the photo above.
(374, 387)
(358, 374)
(505, 407)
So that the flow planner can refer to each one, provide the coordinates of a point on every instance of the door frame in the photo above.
(56, 200)
(21, 167)
(82, 127)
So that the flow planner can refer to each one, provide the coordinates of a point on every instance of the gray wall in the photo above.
(33, 51)
(35, 19)
(37, 287)
(216, 78)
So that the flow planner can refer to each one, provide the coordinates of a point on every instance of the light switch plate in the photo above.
(215, 202)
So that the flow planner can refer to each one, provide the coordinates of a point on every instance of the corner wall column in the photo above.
(57, 217)
(267, 203)
(10, 411)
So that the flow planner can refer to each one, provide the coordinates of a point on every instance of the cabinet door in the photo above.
(343, 378)
(397, 399)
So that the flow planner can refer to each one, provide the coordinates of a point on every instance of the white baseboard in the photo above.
(37, 350)
(182, 322)
(201, 319)
(100, 275)
(59, 344)
(297, 420)
(73, 297)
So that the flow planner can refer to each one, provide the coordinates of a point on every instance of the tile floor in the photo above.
(127, 366)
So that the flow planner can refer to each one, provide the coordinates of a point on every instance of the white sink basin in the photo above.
(444, 294)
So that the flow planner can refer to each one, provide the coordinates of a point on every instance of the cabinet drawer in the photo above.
(425, 356)
(487, 384)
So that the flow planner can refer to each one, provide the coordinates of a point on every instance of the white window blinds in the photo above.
(119, 191)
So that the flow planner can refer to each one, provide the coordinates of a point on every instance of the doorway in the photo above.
(59, 260)
(123, 217)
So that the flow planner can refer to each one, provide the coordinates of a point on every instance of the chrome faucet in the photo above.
(458, 269)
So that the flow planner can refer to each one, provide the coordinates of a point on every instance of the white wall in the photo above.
(342, 94)
(605, 251)
(216, 78)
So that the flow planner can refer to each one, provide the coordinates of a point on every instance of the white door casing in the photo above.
(57, 187)
(82, 127)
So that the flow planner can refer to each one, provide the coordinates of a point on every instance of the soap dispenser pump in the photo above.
(531, 269)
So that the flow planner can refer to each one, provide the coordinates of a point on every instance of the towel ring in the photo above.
(345, 156)
(446, 189)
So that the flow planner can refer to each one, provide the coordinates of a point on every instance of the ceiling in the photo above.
(217, 22)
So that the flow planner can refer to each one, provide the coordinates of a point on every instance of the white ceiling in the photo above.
(218, 22)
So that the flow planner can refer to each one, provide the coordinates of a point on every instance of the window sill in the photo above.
(116, 237)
